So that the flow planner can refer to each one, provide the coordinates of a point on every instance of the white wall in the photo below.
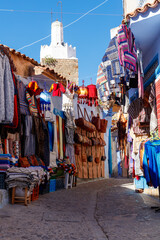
(131, 5)
(57, 52)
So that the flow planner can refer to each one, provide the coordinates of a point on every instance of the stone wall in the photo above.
(68, 68)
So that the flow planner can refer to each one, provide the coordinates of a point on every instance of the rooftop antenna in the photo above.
(61, 9)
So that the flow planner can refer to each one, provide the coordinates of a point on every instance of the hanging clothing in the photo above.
(29, 146)
(59, 113)
(69, 126)
(16, 118)
(45, 101)
(151, 162)
(152, 102)
(51, 135)
(57, 89)
(60, 124)
(42, 140)
(34, 90)
(110, 152)
(32, 104)
(140, 74)
(61, 138)
(24, 109)
(46, 154)
(6, 90)
(127, 48)
(70, 153)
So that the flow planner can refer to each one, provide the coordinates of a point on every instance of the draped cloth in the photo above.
(127, 48)
(58, 137)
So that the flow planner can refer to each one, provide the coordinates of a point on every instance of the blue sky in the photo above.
(90, 35)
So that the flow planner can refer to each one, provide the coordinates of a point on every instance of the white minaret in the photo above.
(56, 33)
(57, 49)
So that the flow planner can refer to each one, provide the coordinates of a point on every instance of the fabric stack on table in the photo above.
(5, 162)
(24, 177)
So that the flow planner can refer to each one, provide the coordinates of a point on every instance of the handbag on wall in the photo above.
(95, 141)
(97, 160)
(77, 149)
(84, 157)
(103, 125)
(96, 121)
(102, 142)
(78, 138)
(83, 123)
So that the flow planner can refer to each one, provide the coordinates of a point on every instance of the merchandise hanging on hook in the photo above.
(92, 95)
(83, 94)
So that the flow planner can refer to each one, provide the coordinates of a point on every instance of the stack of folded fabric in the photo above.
(5, 161)
(24, 177)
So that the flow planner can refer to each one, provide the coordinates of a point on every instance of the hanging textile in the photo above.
(57, 89)
(70, 153)
(111, 58)
(34, 90)
(24, 109)
(58, 137)
(102, 84)
(152, 167)
(110, 152)
(140, 74)
(51, 135)
(6, 90)
(61, 137)
(29, 145)
(32, 104)
(152, 102)
(127, 48)
(42, 140)
(45, 101)
(16, 118)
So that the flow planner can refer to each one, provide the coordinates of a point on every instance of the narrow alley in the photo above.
(104, 209)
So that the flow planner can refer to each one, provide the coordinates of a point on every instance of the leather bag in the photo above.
(96, 121)
(102, 142)
(103, 125)
(84, 158)
(77, 150)
(78, 138)
(97, 160)
(95, 141)
(83, 123)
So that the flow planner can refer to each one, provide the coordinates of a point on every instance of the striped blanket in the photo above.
(111, 60)
(127, 48)
(102, 83)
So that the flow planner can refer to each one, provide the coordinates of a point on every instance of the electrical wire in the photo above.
(69, 13)
(34, 42)
(64, 26)
(86, 13)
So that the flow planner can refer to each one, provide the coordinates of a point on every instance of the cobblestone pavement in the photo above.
(100, 210)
